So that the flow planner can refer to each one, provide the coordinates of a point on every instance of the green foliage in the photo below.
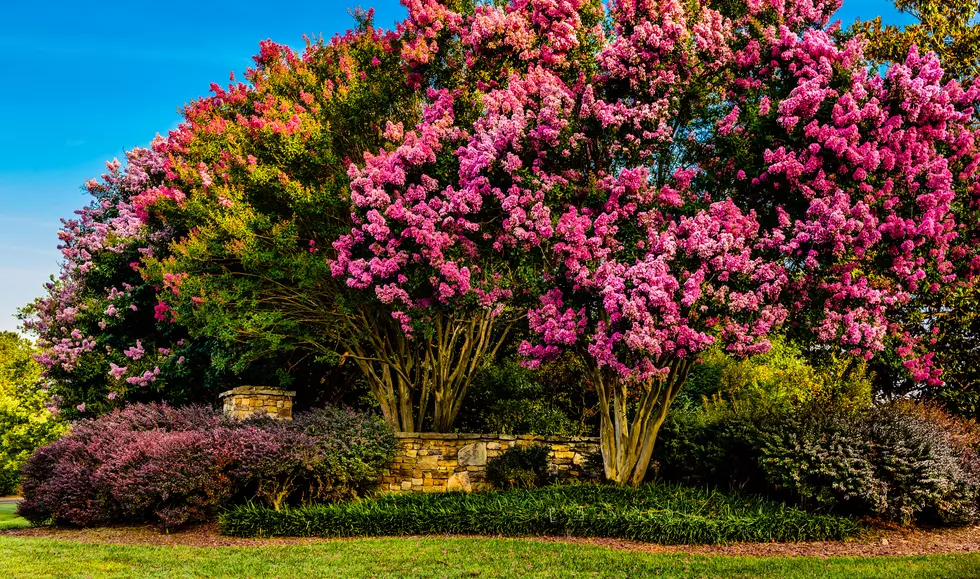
(947, 27)
(781, 378)
(895, 462)
(519, 467)
(711, 446)
(353, 447)
(25, 422)
(664, 514)
(508, 398)
(712, 436)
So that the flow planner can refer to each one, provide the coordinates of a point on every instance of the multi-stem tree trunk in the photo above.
(419, 382)
(411, 375)
(631, 415)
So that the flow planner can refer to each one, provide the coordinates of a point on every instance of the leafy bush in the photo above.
(894, 463)
(352, 448)
(712, 447)
(171, 466)
(25, 422)
(508, 398)
(901, 462)
(779, 380)
(665, 514)
(519, 467)
(714, 433)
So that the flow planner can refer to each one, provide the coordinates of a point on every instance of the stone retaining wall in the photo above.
(246, 401)
(436, 462)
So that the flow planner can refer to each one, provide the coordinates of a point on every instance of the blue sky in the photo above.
(81, 82)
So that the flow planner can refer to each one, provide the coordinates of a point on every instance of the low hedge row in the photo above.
(172, 466)
(664, 514)
(900, 462)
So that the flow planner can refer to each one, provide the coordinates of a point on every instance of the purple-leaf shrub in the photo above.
(169, 466)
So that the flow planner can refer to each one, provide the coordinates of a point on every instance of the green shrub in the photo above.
(712, 447)
(895, 462)
(508, 398)
(713, 435)
(666, 514)
(353, 447)
(781, 379)
(519, 467)
(900, 462)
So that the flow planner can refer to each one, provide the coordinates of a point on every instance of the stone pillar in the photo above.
(246, 401)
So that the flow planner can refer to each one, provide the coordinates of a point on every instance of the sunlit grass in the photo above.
(437, 557)
(9, 518)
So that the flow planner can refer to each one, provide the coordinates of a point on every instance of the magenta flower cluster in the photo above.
(642, 178)
(816, 188)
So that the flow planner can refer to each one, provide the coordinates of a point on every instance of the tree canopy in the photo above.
(637, 182)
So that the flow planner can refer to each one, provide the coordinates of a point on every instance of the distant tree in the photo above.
(26, 417)
(948, 28)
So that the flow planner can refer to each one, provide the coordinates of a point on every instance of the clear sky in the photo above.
(81, 82)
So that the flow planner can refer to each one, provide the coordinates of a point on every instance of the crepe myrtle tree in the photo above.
(951, 29)
(261, 170)
(264, 192)
(103, 338)
(666, 176)
(437, 243)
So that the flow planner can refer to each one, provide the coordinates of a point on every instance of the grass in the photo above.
(9, 519)
(438, 557)
(666, 514)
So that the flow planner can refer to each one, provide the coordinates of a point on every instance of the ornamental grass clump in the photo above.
(167, 466)
(655, 513)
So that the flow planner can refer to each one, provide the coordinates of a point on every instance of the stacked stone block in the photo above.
(246, 401)
(436, 462)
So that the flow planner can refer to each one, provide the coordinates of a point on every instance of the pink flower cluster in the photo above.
(665, 220)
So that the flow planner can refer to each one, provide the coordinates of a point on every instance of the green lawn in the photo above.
(9, 520)
(436, 557)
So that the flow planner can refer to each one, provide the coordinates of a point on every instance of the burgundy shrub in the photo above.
(173, 466)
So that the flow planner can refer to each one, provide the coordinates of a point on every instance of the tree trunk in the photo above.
(411, 376)
(630, 418)
(419, 382)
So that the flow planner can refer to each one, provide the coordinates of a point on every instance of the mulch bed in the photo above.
(878, 542)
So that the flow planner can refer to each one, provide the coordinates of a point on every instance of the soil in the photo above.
(878, 542)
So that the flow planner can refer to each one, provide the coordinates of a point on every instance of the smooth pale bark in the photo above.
(411, 376)
(420, 382)
(631, 416)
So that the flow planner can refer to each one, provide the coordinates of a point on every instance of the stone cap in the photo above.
(494, 437)
(256, 391)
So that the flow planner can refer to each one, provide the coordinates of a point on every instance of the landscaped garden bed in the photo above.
(663, 514)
